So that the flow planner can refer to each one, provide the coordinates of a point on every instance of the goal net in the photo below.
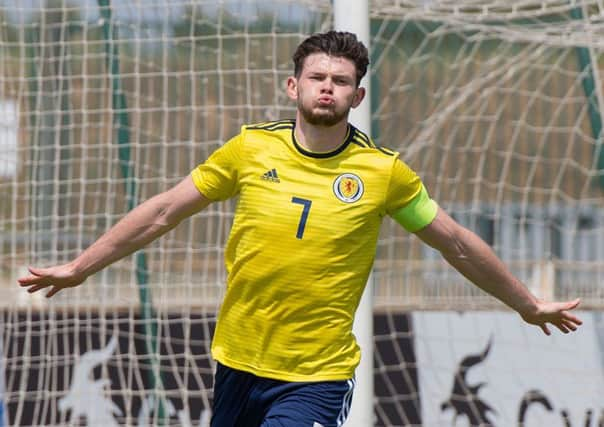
(103, 104)
(498, 105)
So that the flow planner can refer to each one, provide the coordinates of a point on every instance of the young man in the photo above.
(312, 194)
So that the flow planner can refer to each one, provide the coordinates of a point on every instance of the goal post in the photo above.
(354, 17)
(496, 105)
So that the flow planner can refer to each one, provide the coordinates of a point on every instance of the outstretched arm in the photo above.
(473, 258)
(139, 227)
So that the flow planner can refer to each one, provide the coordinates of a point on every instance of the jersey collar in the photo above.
(349, 134)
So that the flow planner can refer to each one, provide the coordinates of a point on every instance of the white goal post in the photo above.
(354, 17)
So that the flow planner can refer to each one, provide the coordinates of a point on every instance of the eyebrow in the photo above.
(335, 75)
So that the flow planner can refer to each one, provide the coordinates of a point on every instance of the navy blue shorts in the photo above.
(245, 400)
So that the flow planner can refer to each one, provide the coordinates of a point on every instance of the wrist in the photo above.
(529, 308)
(78, 269)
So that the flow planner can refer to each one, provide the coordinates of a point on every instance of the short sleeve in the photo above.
(407, 200)
(217, 177)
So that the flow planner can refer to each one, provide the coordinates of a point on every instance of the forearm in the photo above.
(143, 224)
(473, 258)
(139, 227)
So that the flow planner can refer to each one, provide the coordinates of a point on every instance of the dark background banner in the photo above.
(86, 368)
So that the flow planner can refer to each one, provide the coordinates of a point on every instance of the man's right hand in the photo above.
(57, 278)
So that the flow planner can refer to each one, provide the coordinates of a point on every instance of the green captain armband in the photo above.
(418, 213)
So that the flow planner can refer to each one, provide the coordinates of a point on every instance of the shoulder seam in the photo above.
(362, 136)
(386, 151)
(361, 139)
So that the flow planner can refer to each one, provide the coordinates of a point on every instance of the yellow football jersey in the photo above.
(301, 246)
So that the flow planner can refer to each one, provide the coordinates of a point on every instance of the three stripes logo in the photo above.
(271, 176)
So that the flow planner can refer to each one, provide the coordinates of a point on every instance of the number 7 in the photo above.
(302, 224)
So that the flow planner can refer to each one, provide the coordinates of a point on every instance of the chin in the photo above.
(325, 120)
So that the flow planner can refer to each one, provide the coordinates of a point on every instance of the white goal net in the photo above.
(497, 105)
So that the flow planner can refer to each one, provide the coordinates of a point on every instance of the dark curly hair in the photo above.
(334, 43)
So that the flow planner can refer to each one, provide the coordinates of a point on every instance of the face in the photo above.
(325, 90)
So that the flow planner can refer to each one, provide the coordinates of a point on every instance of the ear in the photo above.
(292, 88)
(358, 96)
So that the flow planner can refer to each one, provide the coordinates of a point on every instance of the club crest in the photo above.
(348, 187)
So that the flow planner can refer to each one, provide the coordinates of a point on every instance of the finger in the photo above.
(36, 274)
(24, 281)
(31, 281)
(37, 271)
(572, 304)
(36, 288)
(27, 281)
(571, 318)
(53, 291)
(562, 328)
(569, 325)
(545, 329)
(45, 279)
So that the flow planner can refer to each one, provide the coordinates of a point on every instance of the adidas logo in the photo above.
(271, 176)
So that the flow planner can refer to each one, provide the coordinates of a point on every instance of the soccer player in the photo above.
(312, 194)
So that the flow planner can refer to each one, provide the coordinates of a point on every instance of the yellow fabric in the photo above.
(301, 247)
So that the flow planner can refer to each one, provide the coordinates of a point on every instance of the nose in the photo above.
(327, 86)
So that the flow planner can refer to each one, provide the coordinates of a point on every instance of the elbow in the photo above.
(160, 212)
(166, 219)
(455, 252)
(455, 247)
(447, 237)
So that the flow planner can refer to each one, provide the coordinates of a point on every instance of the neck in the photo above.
(320, 139)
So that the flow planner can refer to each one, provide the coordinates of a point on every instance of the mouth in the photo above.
(325, 102)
